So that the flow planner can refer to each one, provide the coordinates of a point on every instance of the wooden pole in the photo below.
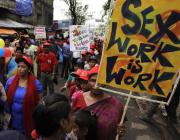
(124, 113)
(174, 88)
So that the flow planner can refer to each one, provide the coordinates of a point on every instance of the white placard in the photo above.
(40, 32)
(79, 38)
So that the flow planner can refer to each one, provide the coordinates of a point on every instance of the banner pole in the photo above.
(124, 113)
(174, 88)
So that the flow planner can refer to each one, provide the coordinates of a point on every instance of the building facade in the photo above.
(42, 12)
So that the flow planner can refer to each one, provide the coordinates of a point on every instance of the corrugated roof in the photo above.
(8, 23)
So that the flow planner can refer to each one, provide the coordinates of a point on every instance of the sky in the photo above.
(95, 8)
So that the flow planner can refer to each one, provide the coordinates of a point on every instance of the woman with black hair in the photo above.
(23, 94)
(106, 107)
(53, 118)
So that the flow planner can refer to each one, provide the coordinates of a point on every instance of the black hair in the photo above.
(19, 49)
(92, 74)
(80, 63)
(93, 57)
(48, 114)
(84, 119)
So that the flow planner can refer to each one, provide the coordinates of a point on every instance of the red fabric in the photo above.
(91, 46)
(39, 49)
(72, 83)
(78, 102)
(71, 90)
(47, 44)
(47, 61)
(30, 101)
(25, 58)
(108, 112)
(82, 74)
(95, 69)
(34, 134)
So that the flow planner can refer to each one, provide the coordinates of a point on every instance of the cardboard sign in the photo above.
(40, 32)
(142, 49)
(79, 38)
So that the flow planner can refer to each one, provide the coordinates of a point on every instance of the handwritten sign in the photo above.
(142, 50)
(40, 32)
(79, 38)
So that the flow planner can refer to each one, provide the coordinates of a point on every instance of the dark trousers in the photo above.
(65, 67)
(47, 82)
(74, 60)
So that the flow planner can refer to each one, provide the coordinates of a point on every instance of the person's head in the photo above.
(25, 65)
(81, 77)
(52, 116)
(60, 42)
(79, 64)
(67, 40)
(87, 56)
(92, 61)
(46, 47)
(52, 40)
(7, 42)
(26, 45)
(92, 81)
(82, 83)
(86, 125)
(17, 45)
(18, 52)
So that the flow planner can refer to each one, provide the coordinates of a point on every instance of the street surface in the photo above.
(159, 129)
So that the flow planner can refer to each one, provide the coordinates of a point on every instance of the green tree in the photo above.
(77, 12)
(106, 7)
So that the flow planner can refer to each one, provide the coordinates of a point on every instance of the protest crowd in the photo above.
(30, 105)
(31, 108)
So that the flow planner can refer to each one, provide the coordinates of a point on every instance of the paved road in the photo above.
(159, 129)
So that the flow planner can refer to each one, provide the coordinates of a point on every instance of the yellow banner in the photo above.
(142, 49)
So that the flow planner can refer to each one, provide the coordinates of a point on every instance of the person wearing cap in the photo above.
(70, 81)
(23, 91)
(47, 62)
(107, 108)
(81, 80)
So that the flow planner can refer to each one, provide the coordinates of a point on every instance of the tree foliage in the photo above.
(77, 12)
(106, 7)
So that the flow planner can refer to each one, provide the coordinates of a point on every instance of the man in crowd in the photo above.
(47, 62)
(66, 59)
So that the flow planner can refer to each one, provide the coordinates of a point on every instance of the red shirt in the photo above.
(47, 61)
(78, 102)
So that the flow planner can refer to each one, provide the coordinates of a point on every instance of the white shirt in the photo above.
(76, 54)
